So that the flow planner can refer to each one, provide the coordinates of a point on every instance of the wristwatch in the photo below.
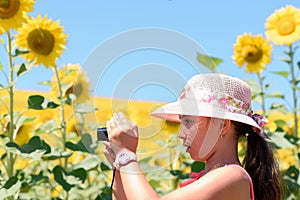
(124, 158)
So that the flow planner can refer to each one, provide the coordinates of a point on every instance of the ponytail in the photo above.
(259, 162)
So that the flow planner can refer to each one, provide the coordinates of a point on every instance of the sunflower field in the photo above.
(48, 141)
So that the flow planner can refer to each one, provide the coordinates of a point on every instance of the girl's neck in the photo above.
(215, 165)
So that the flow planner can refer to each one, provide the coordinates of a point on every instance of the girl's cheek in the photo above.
(190, 135)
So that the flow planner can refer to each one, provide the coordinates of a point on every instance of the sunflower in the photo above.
(13, 13)
(76, 81)
(44, 38)
(283, 26)
(252, 50)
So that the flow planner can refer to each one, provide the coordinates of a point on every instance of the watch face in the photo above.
(123, 158)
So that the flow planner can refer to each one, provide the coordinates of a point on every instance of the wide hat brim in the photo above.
(171, 112)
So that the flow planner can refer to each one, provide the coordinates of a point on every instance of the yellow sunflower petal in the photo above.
(13, 13)
(283, 26)
(253, 51)
(45, 40)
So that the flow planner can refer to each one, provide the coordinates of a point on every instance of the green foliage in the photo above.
(34, 144)
(210, 62)
(39, 102)
(69, 179)
(84, 145)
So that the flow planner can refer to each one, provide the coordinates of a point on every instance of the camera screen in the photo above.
(102, 134)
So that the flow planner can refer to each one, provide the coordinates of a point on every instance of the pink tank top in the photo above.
(196, 175)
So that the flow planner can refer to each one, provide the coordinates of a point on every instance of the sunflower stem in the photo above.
(11, 108)
(10, 156)
(262, 93)
(62, 112)
(295, 108)
(294, 90)
(63, 121)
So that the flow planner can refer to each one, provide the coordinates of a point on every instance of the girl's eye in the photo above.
(187, 122)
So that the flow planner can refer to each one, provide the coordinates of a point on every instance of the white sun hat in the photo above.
(214, 95)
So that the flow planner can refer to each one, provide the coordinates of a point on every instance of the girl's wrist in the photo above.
(123, 158)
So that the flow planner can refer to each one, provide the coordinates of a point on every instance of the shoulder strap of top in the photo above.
(250, 180)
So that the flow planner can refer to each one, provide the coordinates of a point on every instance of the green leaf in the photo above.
(70, 98)
(297, 80)
(38, 102)
(197, 166)
(2, 41)
(20, 52)
(280, 122)
(85, 144)
(104, 167)
(47, 83)
(10, 182)
(298, 63)
(279, 107)
(291, 176)
(21, 70)
(56, 154)
(33, 180)
(106, 194)
(84, 108)
(1, 66)
(59, 178)
(3, 156)
(60, 174)
(91, 162)
(280, 141)
(210, 62)
(275, 95)
(11, 186)
(79, 173)
(267, 86)
(287, 60)
(35, 143)
(47, 127)
(282, 73)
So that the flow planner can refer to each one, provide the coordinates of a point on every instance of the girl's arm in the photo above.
(118, 190)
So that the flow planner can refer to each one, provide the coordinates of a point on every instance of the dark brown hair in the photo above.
(260, 163)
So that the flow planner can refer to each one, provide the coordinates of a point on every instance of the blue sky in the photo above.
(213, 25)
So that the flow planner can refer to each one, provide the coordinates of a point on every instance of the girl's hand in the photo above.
(122, 133)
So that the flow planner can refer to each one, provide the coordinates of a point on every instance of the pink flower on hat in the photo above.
(223, 101)
(260, 120)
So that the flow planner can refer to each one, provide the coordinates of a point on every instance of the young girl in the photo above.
(214, 111)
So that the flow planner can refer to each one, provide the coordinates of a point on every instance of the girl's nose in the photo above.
(181, 134)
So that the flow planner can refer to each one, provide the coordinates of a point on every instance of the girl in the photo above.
(214, 111)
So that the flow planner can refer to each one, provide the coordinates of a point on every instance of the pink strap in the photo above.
(250, 181)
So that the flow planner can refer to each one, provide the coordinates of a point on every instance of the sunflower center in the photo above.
(8, 8)
(286, 26)
(76, 90)
(41, 41)
(252, 53)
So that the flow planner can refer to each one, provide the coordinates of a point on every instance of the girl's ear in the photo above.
(225, 126)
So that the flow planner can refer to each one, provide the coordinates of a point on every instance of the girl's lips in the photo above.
(187, 149)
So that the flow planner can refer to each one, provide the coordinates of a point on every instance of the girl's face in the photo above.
(199, 134)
